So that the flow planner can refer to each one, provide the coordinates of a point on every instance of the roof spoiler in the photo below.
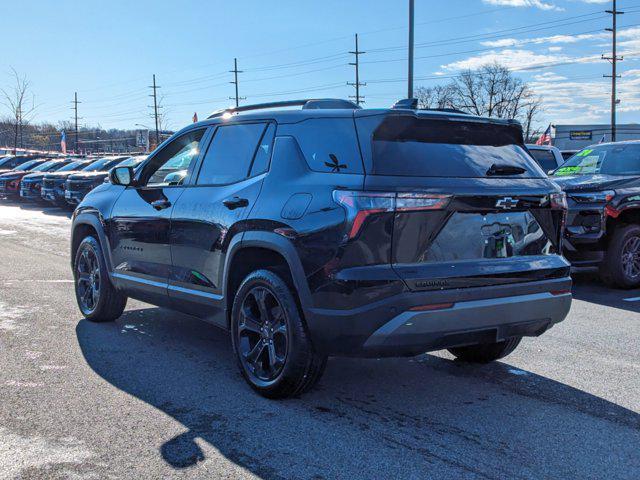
(306, 104)
(412, 104)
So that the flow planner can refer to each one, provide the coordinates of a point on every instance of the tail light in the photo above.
(360, 205)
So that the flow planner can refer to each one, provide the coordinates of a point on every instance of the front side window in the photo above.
(170, 165)
(612, 159)
(230, 154)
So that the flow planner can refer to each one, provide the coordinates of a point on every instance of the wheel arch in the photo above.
(255, 250)
(87, 223)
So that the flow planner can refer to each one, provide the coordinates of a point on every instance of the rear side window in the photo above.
(545, 159)
(406, 145)
(230, 154)
(330, 145)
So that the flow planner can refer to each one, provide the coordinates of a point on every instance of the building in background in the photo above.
(576, 137)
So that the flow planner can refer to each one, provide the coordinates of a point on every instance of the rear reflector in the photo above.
(433, 306)
(559, 292)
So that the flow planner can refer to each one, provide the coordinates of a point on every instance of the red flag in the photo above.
(195, 117)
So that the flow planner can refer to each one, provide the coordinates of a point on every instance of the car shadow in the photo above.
(393, 418)
(41, 206)
(588, 287)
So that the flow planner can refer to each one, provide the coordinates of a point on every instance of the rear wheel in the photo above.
(272, 347)
(486, 352)
(621, 265)
(97, 298)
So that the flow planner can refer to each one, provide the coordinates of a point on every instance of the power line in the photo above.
(357, 83)
(75, 108)
(614, 58)
(235, 72)
(155, 107)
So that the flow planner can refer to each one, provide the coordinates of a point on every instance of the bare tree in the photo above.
(490, 91)
(439, 96)
(15, 99)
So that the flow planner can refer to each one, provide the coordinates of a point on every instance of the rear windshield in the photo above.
(406, 145)
(545, 158)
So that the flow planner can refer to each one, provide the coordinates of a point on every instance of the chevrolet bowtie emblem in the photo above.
(507, 203)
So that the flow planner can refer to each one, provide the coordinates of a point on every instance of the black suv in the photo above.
(332, 230)
(602, 183)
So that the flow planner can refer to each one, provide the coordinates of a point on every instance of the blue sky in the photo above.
(107, 52)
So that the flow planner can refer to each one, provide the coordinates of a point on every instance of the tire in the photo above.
(624, 249)
(270, 341)
(486, 352)
(97, 298)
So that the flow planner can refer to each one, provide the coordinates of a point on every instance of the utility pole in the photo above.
(614, 58)
(357, 84)
(235, 72)
(411, 23)
(75, 109)
(155, 88)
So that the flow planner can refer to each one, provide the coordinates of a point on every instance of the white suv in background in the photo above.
(548, 157)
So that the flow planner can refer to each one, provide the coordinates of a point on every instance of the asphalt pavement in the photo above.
(157, 394)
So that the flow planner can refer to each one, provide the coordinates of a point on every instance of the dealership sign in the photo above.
(581, 135)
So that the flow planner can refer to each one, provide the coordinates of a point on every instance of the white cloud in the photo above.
(555, 49)
(518, 60)
(524, 3)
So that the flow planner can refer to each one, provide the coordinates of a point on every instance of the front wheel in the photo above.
(97, 298)
(621, 265)
(486, 352)
(270, 341)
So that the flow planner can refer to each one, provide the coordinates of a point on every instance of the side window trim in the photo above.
(255, 153)
(204, 151)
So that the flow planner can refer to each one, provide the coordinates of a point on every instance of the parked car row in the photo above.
(59, 180)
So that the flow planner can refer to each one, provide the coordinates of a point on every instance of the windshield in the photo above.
(27, 165)
(406, 145)
(100, 165)
(70, 166)
(131, 162)
(46, 166)
(611, 159)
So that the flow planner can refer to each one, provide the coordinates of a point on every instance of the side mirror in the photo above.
(121, 176)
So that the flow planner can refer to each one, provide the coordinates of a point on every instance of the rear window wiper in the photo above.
(502, 169)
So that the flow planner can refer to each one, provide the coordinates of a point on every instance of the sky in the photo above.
(107, 52)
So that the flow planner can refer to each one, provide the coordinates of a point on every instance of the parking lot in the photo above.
(157, 393)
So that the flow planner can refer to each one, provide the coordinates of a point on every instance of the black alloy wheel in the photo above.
(262, 335)
(88, 280)
(631, 258)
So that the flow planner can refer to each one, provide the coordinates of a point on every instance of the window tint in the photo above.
(173, 161)
(330, 145)
(406, 145)
(263, 154)
(545, 159)
(230, 153)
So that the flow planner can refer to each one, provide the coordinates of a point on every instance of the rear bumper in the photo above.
(478, 315)
(465, 323)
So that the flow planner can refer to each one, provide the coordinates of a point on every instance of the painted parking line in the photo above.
(632, 299)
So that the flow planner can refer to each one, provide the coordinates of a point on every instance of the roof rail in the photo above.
(306, 104)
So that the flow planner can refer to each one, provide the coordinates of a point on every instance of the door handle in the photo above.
(161, 204)
(235, 202)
